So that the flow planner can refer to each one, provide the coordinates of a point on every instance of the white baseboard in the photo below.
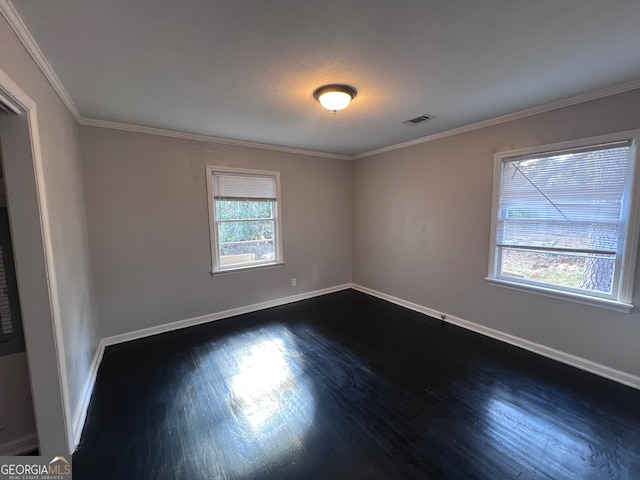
(190, 322)
(582, 363)
(80, 414)
(87, 390)
(567, 358)
(20, 446)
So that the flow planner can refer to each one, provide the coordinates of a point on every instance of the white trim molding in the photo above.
(578, 362)
(190, 322)
(80, 414)
(9, 12)
(206, 138)
(28, 108)
(567, 102)
(563, 357)
(54, 297)
(529, 112)
(15, 22)
(567, 296)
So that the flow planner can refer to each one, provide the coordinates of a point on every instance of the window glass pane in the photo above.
(233, 232)
(590, 273)
(245, 242)
(233, 210)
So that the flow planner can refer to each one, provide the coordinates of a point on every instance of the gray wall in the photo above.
(17, 423)
(421, 233)
(149, 228)
(64, 205)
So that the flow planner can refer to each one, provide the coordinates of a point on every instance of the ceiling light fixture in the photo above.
(335, 97)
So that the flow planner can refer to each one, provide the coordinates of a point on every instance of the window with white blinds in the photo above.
(244, 216)
(562, 218)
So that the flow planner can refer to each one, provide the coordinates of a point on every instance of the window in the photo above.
(244, 217)
(562, 220)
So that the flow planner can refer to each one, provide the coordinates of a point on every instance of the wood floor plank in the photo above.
(347, 386)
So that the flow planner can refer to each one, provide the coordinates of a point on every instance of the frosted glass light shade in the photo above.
(335, 97)
(334, 100)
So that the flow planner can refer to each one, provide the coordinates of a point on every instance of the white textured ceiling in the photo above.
(246, 69)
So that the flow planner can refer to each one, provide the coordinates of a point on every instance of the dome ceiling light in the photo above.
(335, 97)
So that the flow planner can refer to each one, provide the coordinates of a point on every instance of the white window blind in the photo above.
(566, 202)
(231, 186)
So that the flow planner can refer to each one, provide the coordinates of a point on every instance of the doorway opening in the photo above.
(17, 420)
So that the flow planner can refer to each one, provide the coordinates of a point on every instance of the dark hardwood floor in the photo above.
(347, 386)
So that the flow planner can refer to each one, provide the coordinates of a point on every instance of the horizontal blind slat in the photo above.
(239, 187)
(557, 250)
(564, 200)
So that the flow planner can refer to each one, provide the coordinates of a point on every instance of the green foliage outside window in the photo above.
(246, 227)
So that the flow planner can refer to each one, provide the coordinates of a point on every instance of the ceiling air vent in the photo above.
(417, 120)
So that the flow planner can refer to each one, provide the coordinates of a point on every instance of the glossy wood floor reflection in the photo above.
(347, 386)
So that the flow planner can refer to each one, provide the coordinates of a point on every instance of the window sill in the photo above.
(571, 297)
(248, 268)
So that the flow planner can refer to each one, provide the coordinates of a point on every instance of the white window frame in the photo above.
(216, 267)
(622, 287)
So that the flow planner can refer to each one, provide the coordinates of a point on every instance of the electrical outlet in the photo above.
(294, 282)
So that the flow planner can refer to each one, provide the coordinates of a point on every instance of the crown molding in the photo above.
(13, 19)
(15, 22)
(567, 102)
(206, 138)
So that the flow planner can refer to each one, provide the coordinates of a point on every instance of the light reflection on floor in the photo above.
(271, 399)
(264, 374)
(516, 429)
